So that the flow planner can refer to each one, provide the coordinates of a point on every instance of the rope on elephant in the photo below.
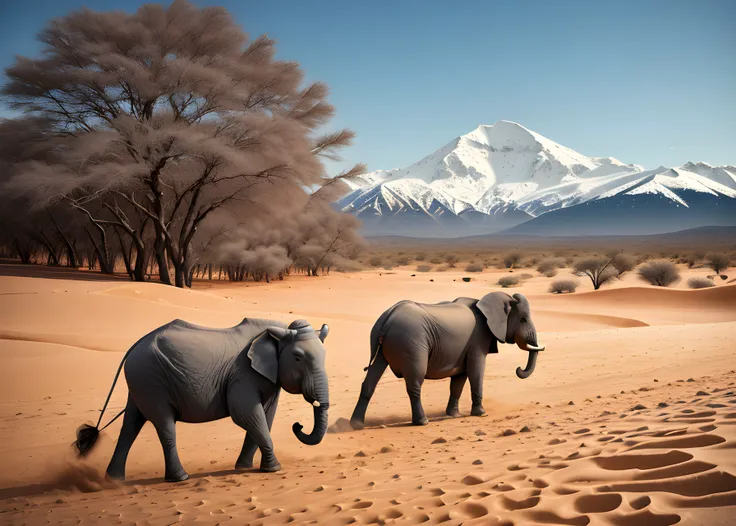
(111, 421)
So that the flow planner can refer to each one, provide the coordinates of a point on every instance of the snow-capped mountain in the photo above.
(500, 176)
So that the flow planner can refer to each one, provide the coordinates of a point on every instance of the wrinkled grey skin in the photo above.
(450, 339)
(184, 372)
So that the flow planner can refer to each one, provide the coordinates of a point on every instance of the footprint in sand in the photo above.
(598, 503)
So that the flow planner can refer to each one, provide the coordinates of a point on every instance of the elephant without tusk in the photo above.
(449, 339)
(184, 372)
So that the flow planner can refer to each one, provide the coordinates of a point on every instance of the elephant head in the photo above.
(295, 358)
(509, 319)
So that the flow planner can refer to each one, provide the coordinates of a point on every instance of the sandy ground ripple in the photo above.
(628, 420)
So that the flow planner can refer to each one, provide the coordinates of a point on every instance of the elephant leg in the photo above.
(133, 421)
(245, 459)
(414, 390)
(375, 371)
(457, 383)
(166, 429)
(257, 429)
(476, 369)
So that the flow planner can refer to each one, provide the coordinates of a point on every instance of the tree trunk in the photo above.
(71, 257)
(161, 260)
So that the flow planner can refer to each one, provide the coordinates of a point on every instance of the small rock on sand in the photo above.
(571, 403)
(360, 454)
(508, 433)
(387, 449)
(638, 407)
(701, 393)
(662, 404)
(690, 380)
(439, 440)
(477, 462)
(525, 429)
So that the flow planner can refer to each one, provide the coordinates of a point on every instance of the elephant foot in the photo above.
(421, 422)
(115, 477)
(357, 424)
(245, 464)
(452, 408)
(176, 478)
(478, 411)
(270, 467)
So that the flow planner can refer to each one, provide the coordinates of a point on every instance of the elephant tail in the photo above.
(87, 435)
(379, 331)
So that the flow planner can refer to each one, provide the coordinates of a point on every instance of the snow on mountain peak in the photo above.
(505, 166)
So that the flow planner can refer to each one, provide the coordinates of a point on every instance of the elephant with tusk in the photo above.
(449, 339)
(187, 373)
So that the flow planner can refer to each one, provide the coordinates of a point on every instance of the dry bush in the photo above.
(563, 285)
(435, 260)
(451, 260)
(443, 268)
(421, 256)
(424, 268)
(718, 261)
(512, 259)
(623, 263)
(700, 283)
(661, 273)
(474, 267)
(508, 281)
(376, 261)
(402, 260)
(526, 276)
(548, 267)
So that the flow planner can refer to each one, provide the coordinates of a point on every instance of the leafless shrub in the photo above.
(421, 256)
(376, 261)
(661, 273)
(623, 263)
(402, 260)
(424, 268)
(435, 260)
(443, 268)
(512, 259)
(718, 261)
(525, 276)
(508, 281)
(548, 267)
(474, 267)
(700, 283)
(451, 260)
(563, 285)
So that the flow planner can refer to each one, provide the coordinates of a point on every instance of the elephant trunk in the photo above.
(530, 364)
(532, 349)
(319, 430)
(321, 402)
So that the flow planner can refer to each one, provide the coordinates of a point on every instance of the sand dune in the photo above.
(608, 430)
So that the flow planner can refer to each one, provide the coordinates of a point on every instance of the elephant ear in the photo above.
(264, 352)
(496, 307)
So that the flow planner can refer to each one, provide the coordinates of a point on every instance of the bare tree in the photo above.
(162, 118)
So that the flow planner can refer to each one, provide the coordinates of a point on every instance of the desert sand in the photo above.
(628, 419)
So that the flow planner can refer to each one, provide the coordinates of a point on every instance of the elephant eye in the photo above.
(523, 319)
(298, 354)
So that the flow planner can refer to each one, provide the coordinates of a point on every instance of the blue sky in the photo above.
(649, 82)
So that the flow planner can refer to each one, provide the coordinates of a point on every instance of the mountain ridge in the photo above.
(504, 175)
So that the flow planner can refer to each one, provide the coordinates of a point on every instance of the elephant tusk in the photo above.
(315, 403)
(530, 347)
